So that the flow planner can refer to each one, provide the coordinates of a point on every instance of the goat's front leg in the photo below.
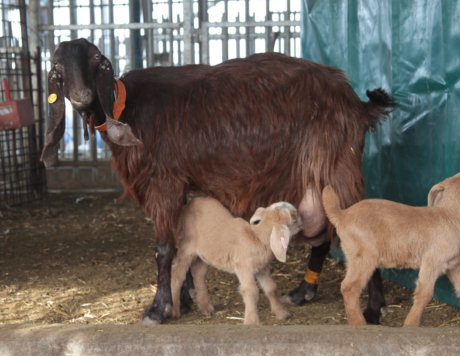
(250, 293)
(269, 287)
(162, 302)
(376, 301)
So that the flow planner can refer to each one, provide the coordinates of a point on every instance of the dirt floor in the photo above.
(88, 259)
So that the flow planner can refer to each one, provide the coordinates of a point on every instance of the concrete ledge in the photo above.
(226, 340)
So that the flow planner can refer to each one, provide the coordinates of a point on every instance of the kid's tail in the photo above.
(331, 204)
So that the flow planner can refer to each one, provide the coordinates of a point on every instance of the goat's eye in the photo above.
(97, 56)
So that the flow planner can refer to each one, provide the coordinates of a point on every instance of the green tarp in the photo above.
(412, 49)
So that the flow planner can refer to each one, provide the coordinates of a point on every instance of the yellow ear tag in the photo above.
(52, 98)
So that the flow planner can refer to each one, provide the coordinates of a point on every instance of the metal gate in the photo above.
(22, 177)
(136, 34)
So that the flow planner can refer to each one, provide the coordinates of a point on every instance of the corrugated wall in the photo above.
(412, 49)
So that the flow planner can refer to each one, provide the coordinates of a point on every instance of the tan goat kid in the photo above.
(210, 235)
(381, 233)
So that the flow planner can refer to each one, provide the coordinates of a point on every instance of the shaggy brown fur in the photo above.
(212, 236)
(246, 132)
(381, 233)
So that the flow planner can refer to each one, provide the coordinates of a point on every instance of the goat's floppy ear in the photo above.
(56, 124)
(257, 216)
(121, 133)
(279, 241)
(435, 195)
(105, 86)
(117, 132)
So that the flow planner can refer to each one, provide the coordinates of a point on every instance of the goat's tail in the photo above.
(331, 204)
(379, 106)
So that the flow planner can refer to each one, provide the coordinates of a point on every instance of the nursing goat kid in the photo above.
(246, 132)
(210, 235)
(381, 233)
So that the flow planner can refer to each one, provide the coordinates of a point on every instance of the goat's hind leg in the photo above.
(423, 292)
(454, 276)
(306, 290)
(351, 288)
(199, 270)
(269, 287)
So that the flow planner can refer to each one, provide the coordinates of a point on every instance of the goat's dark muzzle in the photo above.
(81, 99)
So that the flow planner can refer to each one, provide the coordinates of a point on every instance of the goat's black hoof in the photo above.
(305, 292)
(147, 321)
(372, 316)
(153, 316)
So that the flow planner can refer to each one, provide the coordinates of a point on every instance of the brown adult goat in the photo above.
(248, 132)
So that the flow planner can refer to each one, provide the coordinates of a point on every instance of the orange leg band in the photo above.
(311, 277)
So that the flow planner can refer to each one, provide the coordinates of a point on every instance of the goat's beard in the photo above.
(88, 121)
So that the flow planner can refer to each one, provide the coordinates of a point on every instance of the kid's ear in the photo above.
(279, 241)
(435, 195)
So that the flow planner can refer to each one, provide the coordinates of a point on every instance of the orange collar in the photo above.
(118, 105)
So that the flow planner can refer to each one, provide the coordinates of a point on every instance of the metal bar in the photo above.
(112, 35)
(126, 26)
(50, 39)
(33, 11)
(73, 18)
(203, 39)
(92, 141)
(136, 45)
(225, 32)
(40, 121)
(100, 163)
(92, 18)
(240, 35)
(34, 176)
(268, 29)
(248, 35)
(254, 23)
(171, 35)
(287, 29)
(150, 52)
(188, 31)
(135, 26)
